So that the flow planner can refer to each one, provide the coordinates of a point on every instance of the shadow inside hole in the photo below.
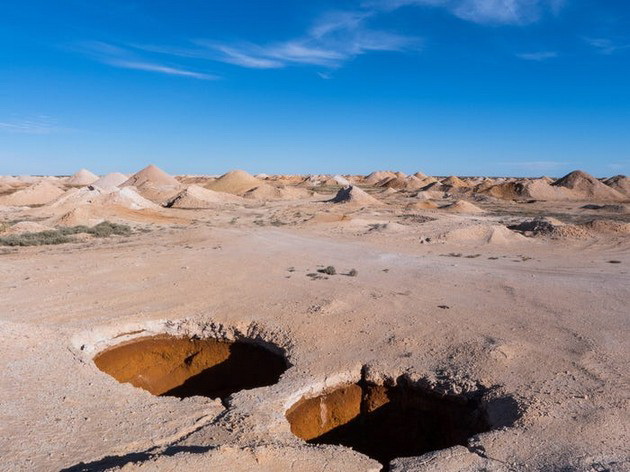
(183, 367)
(385, 422)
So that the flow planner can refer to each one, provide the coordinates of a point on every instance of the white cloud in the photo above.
(605, 46)
(147, 66)
(123, 58)
(332, 40)
(41, 124)
(482, 11)
(538, 56)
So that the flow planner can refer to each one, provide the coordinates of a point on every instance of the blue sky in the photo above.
(467, 87)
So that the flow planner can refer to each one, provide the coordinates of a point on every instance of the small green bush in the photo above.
(64, 235)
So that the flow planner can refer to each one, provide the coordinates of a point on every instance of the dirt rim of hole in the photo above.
(179, 366)
(394, 419)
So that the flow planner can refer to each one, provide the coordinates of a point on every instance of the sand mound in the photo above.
(454, 181)
(483, 234)
(341, 180)
(462, 206)
(270, 192)
(538, 189)
(82, 177)
(620, 183)
(607, 226)
(588, 187)
(37, 194)
(26, 227)
(236, 182)
(115, 179)
(355, 196)
(152, 175)
(199, 197)
(402, 183)
(552, 228)
(379, 176)
(126, 197)
(91, 215)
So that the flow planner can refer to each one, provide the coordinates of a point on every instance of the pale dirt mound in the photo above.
(454, 181)
(90, 215)
(588, 187)
(420, 175)
(352, 195)
(269, 192)
(620, 183)
(423, 205)
(82, 177)
(10, 180)
(538, 189)
(379, 176)
(115, 179)
(37, 194)
(389, 191)
(158, 193)
(462, 206)
(546, 227)
(152, 175)
(235, 182)
(125, 197)
(483, 234)
(402, 183)
(607, 226)
(428, 195)
(341, 180)
(26, 227)
(196, 197)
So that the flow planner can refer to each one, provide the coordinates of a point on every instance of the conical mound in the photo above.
(196, 197)
(454, 181)
(37, 194)
(82, 177)
(115, 179)
(235, 182)
(462, 206)
(620, 183)
(151, 175)
(355, 196)
(587, 186)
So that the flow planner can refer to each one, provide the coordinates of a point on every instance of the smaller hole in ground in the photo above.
(385, 422)
(184, 367)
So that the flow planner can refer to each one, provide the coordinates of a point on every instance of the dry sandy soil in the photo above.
(455, 334)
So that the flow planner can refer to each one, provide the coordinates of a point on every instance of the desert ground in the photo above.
(395, 322)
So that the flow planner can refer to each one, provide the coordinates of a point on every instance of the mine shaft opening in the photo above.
(386, 422)
(184, 367)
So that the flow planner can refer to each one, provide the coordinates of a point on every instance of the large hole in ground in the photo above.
(185, 367)
(385, 422)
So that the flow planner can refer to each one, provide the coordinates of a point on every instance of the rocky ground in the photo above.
(528, 324)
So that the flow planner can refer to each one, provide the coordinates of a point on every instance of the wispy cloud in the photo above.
(40, 124)
(333, 40)
(537, 56)
(125, 58)
(605, 46)
(482, 11)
